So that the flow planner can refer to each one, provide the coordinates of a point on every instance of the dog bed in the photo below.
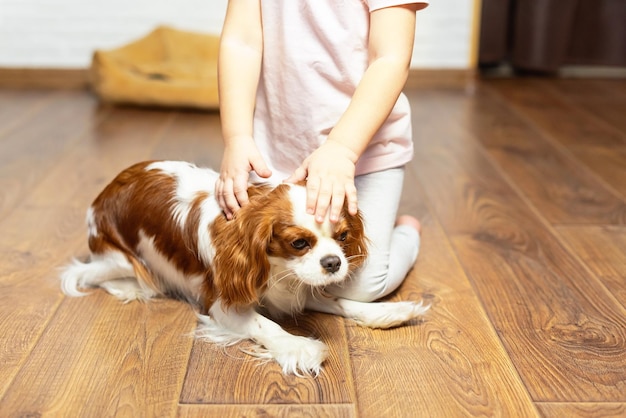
(166, 68)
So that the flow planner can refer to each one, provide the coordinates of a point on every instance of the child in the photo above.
(312, 90)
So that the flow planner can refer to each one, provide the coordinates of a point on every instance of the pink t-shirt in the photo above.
(315, 53)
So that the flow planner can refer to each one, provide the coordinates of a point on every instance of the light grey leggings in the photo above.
(393, 249)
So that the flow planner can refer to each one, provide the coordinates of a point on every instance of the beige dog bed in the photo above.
(168, 67)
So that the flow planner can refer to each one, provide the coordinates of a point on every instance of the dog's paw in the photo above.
(390, 314)
(127, 290)
(296, 355)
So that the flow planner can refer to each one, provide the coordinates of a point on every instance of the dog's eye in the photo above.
(343, 236)
(300, 244)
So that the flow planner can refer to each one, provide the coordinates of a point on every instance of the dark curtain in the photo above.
(544, 35)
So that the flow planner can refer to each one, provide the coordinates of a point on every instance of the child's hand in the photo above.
(329, 174)
(241, 156)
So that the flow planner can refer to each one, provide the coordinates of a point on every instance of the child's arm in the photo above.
(241, 48)
(330, 169)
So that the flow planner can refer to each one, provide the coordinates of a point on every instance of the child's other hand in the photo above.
(241, 156)
(329, 174)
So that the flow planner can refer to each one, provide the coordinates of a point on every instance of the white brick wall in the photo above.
(64, 33)
(443, 35)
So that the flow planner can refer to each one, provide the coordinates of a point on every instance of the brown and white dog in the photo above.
(157, 230)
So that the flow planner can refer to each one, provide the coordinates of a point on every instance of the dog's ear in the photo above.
(356, 245)
(241, 266)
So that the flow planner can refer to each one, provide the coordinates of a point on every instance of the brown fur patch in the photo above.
(139, 200)
(241, 266)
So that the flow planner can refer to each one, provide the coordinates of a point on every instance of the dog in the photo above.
(157, 230)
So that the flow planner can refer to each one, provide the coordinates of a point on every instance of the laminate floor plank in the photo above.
(277, 411)
(30, 150)
(566, 338)
(615, 86)
(104, 149)
(568, 124)
(601, 148)
(452, 362)
(17, 106)
(194, 137)
(583, 410)
(605, 99)
(603, 250)
(50, 130)
(608, 162)
(100, 357)
(554, 183)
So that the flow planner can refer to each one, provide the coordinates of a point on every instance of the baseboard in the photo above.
(79, 78)
(46, 78)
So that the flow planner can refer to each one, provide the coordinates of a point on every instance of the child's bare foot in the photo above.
(410, 221)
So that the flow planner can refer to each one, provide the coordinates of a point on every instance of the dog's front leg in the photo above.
(296, 355)
(367, 314)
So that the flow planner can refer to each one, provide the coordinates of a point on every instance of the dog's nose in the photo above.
(331, 263)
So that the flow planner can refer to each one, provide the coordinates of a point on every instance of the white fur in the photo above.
(99, 269)
(92, 231)
(192, 180)
(111, 271)
(372, 315)
(128, 290)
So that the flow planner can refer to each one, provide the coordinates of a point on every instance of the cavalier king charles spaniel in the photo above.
(157, 230)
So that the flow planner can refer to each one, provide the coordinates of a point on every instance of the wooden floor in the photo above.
(520, 184)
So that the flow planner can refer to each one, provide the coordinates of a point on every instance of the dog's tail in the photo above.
(100, 269)
(74, 276)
